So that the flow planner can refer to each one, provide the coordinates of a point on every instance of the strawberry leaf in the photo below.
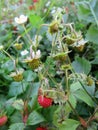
(17, 126)
(35, 118)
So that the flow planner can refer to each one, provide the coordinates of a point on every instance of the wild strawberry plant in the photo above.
(48, 67)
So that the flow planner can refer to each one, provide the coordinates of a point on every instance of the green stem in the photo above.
(15, 67)
(66, 78)
(8, 55)
(9, 45)
(29, 92)
(53, 80)
(30, 41)
(12, 60)
(93, 13)
(22, 86)
(73, 109)
(38, 33)
(53, 42)
(90, 118)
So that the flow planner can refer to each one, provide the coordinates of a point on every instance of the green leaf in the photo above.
(29, 75)
(88, 11)
(35, 20)
(18, 104)
(69, 124)
(4, 128)
(34, 94)
(93, 126)
(60, 112)
(72, 100)
(2, 101)
(16, 117)
(6, 36)
(35, 118)
(96, 94)
(92, 34)
(34, 91)
(95, 61)
(8, 66)
(17, 88)
(50, 66)
(78, 92)
(84, 12)
(75, 86)
(9, 107)
(81, 65)
(91, 89)
(17, 126)
(83, 96)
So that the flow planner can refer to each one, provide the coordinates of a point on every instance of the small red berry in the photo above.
(44, 101)
(3, 120)
(35, 1)
(41, 128)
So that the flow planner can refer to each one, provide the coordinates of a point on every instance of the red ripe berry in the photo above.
(44, 101)
(35, 1)
(3, 120)
(41, 128)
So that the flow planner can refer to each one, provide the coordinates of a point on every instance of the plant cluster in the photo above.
(48, 67)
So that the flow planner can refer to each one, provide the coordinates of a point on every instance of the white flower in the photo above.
(48, 3)
(25, 52)
(36, 55)
(1, 47)
(53, 11)
(33, 54)
(21, 19)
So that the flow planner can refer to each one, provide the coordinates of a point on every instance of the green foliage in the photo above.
(78, 92)
(81, 65)
(16, 118)
(17, 126)
(18, 104)
(92, 34)
(35, 20)
(88, 11)
(69, 123)
(66, 73)
(35, 118)
(17, 88)
(49, 66)
(29, 76)
(82, 95)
